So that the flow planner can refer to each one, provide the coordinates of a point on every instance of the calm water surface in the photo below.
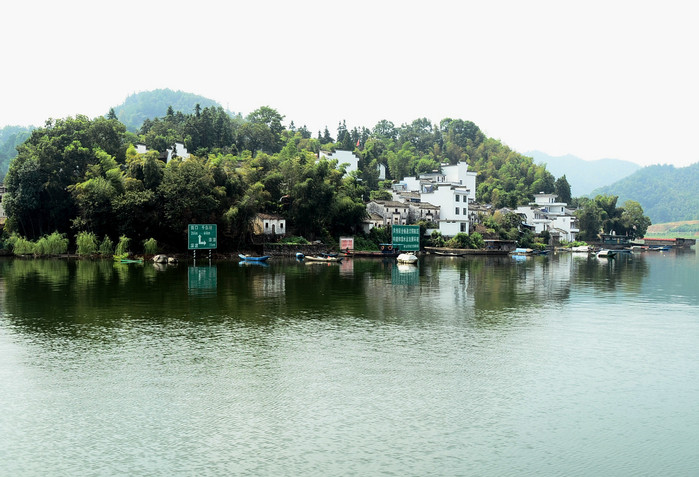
(562, 365)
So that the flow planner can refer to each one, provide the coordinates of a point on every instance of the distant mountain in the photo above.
(666, 193)
(153, 104)
(10, 138)
(584, 176)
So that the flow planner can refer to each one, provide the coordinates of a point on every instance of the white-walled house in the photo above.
(441, 196)
(407, 184)
(179, 150)
(423, 211)
(371, 221)
(438, 196)
(456, 174)
(545, 214)
(267, 224)
(452, 201)
(459, 174)
(392, 212)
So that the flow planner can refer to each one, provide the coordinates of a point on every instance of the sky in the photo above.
(595, 79)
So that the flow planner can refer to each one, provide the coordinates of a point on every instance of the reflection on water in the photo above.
(547, 365)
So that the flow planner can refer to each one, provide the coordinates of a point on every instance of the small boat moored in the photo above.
(406, 257)
(323, 257)
(253, 258)
(606, 253)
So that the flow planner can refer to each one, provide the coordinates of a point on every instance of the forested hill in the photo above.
(666, 193)
(153, 104)
(81, 174)
(585, 176)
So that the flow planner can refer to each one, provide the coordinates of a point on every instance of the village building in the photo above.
(546, 214)
(445, 195)
(392, 212)
(452, 201)
(268, 224)
(422, 211)
(371, 221)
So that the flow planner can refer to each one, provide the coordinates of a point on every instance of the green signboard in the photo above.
(407, 236)
(202, 236)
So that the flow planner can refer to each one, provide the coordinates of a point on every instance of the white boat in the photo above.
(581, 249)
(406, 258)
(605, 253)
(322, 258)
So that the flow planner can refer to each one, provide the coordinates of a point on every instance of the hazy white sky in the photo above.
(595, 79)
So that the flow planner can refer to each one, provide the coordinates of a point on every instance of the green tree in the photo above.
(385, 129)
(52, 159)
(402, 162)
(589, 215)
(313, 197)
(266, 129)
(460, 240)
(562, 189)
(94, 202)
(632, 219)
(188, 195)
(610, 215)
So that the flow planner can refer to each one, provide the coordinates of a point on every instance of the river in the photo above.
(563, 365)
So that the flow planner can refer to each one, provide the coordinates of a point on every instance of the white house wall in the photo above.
(449, 228)
(458, 174)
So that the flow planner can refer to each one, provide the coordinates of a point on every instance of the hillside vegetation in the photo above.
(78, 175)
(666, 193)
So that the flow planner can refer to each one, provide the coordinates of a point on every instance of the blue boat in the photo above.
(252, 263)
(253, 258)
